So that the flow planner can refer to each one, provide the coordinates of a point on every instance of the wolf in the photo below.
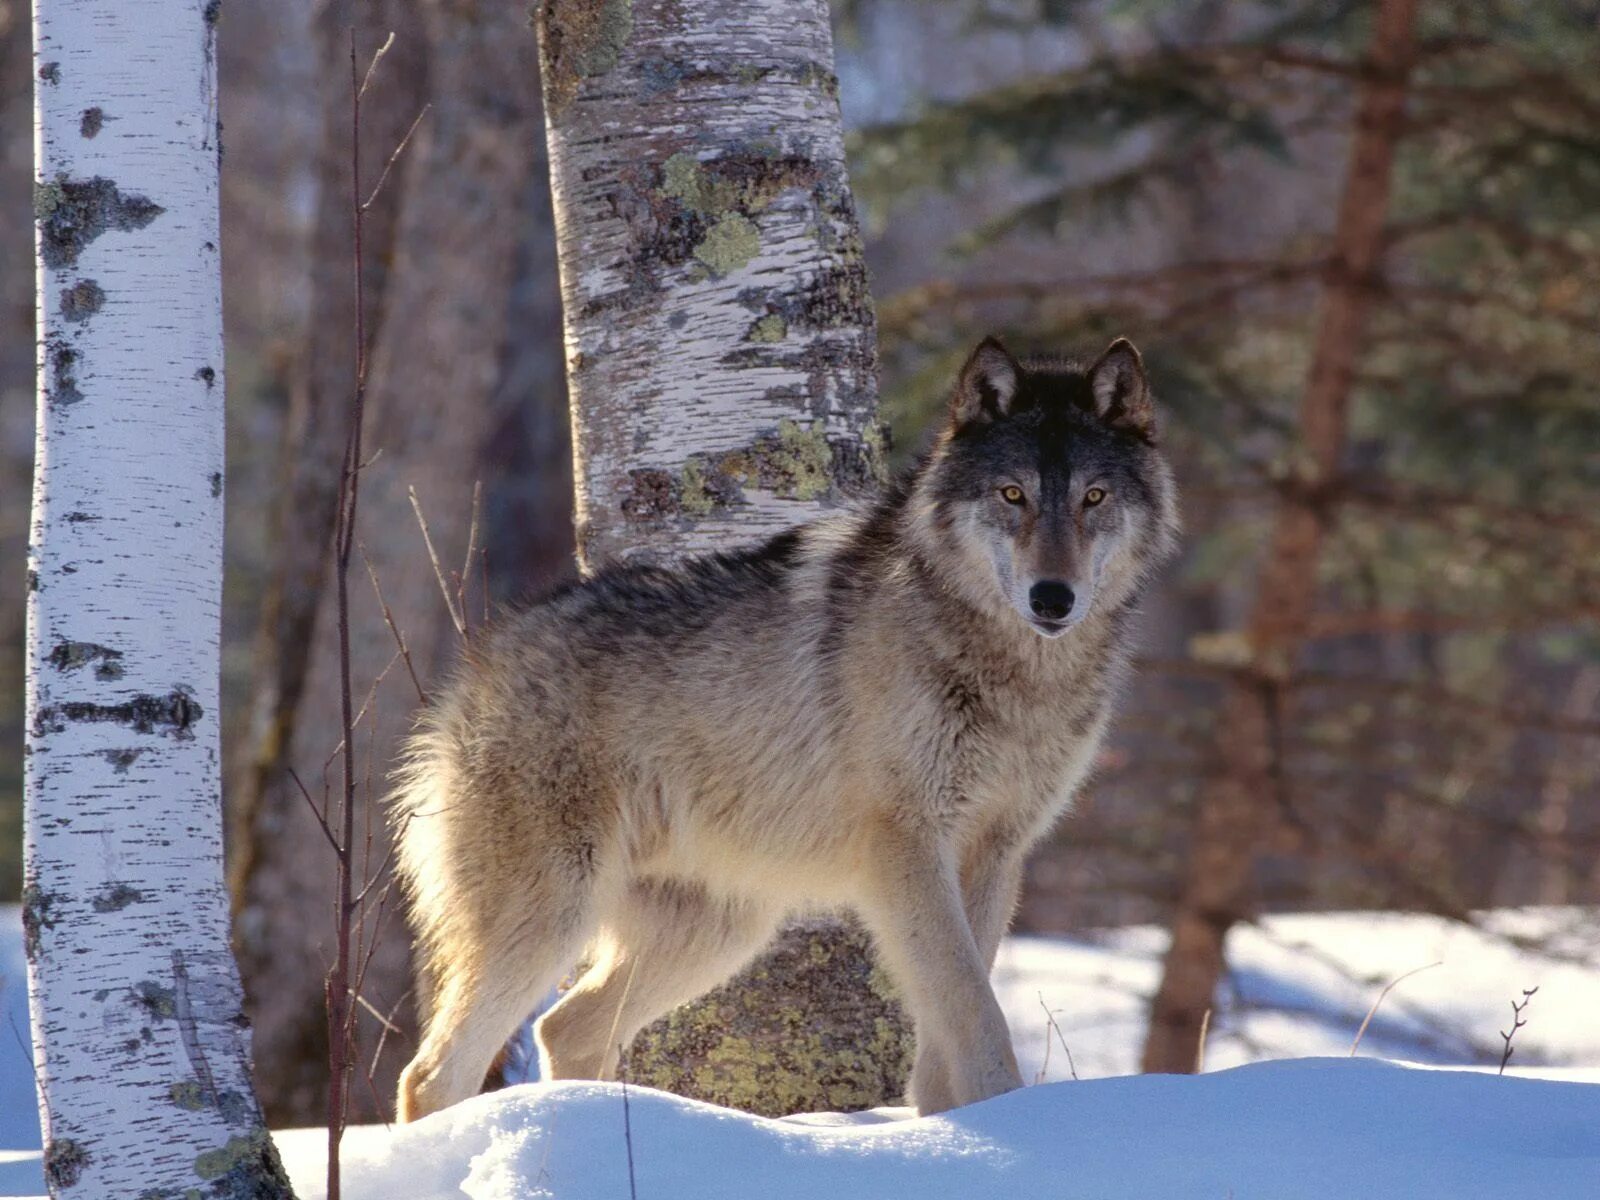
(881, 711)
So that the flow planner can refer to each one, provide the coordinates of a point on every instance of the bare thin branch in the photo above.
(1388, 987)
(322, 821)
(376, 1015)
(366, 80)
(464, 580)
(433, 557)
(394, 158)
(1050, 1026)
(388, 1026)
(1517, 1022)
(627, 1119)
(366, 705)
(388, 619)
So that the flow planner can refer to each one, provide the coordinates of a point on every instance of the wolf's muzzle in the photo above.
(1051, 600)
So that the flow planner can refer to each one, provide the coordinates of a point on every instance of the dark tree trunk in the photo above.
(1239, 810)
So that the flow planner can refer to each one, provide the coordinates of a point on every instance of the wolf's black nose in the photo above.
(1051, 600)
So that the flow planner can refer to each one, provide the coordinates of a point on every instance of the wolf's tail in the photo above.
(423, 812)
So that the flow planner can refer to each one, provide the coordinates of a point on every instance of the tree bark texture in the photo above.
(140, 1041)
(721, 364)
(465, 386)
(721, 350)
(1239, 810)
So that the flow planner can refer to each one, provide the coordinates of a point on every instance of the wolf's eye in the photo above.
(1012, 494)
(1093, 496)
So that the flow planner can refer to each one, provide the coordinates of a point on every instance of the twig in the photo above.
(38, 1076)
(388, 1025)
(366, 79)
(465, 578)
(393, 158)
(27, 1054)
(380, 910)
(322, 821)
(438, 571)
(1389, 987)
(361, 713)
(381, 874)
(1516, 1023)
(347, 910)
(1200, 1046)
(385, 1025)
(388, 619)
(1050, 1026)
(627, 1119)
(188, 1031)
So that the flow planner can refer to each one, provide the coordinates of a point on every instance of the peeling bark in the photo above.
(140, 1042)
(1238, 811)
(721, 362)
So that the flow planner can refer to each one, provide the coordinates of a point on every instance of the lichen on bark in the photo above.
(173, 713)
(794, 462)
(70, 656)
(82, 300)
(61, 372)
(73, 212)
(64, 1162)
(579, 39)
(37, 917)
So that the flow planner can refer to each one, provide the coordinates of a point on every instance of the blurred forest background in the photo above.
(1373, 681)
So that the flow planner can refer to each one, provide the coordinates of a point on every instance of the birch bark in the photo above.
(140, 1044)
(721, 366)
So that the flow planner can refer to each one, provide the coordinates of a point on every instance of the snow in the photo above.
(1300, 986)
(19, 1114)
(1308, 1122)
(1316, 1129)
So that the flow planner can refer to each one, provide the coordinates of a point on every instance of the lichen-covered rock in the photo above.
(812, 1026)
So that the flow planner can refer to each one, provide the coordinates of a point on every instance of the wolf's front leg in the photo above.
(991, 881)
(913, 905)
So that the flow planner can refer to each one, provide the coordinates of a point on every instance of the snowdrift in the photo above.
(1298, 989)
(1305, 1129)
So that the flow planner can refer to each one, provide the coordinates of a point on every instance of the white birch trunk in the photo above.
(721, 362)
(721, 351)
(141, 1049)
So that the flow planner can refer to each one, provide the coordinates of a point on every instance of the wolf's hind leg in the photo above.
(485, 991)
(669, 942)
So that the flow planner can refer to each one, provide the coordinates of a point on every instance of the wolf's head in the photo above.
(1047, 485)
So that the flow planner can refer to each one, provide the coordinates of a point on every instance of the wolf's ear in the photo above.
(1121, 393)
(987, 385)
